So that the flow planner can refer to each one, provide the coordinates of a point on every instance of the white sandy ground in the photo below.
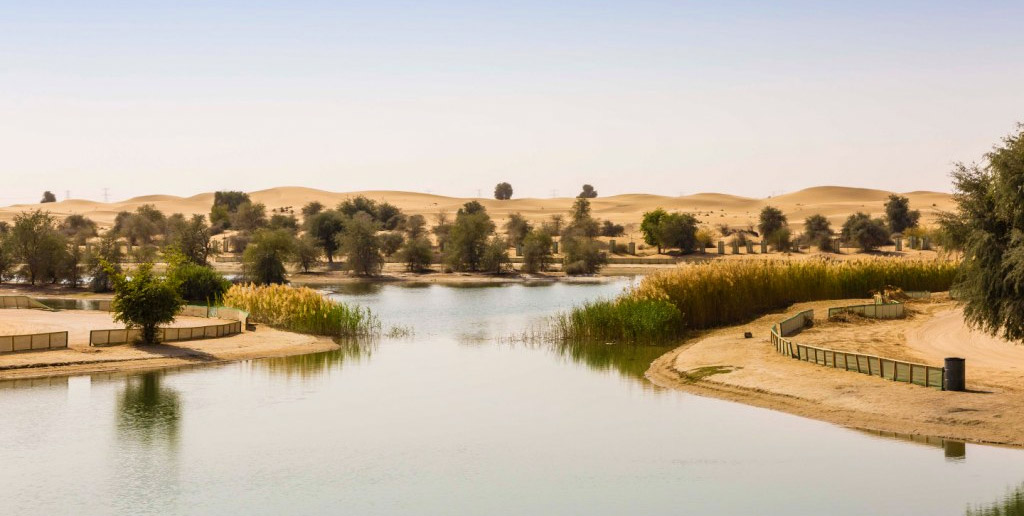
(989, 412)
(80, 358)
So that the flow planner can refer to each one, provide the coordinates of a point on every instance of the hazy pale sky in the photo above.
(667, 97)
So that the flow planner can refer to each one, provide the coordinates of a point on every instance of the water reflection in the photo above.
(148, 411)
(954, 451)
(629, 360)
(316, 364)
(1012, 504)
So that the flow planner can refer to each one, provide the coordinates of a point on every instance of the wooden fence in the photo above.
(124, 336)
(52, 340)
(890, 369)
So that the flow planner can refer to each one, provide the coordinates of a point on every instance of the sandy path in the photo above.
(749, 371)
(946, 335)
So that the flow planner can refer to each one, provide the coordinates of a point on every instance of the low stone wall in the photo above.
(886, 311)
(35, 341)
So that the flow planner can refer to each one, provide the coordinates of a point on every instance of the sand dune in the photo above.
(834, 202)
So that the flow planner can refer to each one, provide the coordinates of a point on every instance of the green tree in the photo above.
(468, 237)
(537, 252)
(225, 204)
(48, 197)
(192, 238)
(311, 209)
(416, 254)
(78, 228)
(104, 256)
(324, 228)
(611, 229)
(37, 244)
(388, 216)
(282, 221)
(649, 227)
(503, 191)
(581, 255)
(864, 231)
(899, 215)
(360, 203)
(516, 229)
(990, 221)
(773, 227)
(678, 230)
(306, 253)
(582, 223)
(361, 245)
(7, 259)
(588, 192)
(195, 283)
(144, 301)
(818, 231)
(249, 216)
(415, 226)
(391, 242)
(495, 259)
(263, 260)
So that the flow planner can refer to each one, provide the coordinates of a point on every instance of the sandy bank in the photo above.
(724, 365)
(80, 358)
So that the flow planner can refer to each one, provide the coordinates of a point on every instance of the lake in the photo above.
(457, 414)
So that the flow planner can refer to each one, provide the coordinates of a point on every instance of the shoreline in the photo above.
(722, 364)
(78, 360)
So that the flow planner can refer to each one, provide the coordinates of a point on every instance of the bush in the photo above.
(361, 245)
(417, 254)
(197, 283)
(467, 238)
(610, 229)
(301, 310)
(536, 252)
(495, 259)
(582, 255)
(144, 301)
(864, 231)
(263, 260)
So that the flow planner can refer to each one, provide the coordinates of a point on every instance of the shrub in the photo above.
(516, 229)
(144, 301)
(864, 231)
(301, 310)
(582, 255)
(416, 254)
(495, 259)
(536, 252)
(263, 260)
(361, 245)
(610, 229)
(899, 215)
(306, 253)
(196, 283)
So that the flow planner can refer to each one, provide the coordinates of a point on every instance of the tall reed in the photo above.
(719, 293)
(301, 310)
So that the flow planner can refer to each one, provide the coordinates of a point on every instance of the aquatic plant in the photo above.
(302, 310)
(719, 293)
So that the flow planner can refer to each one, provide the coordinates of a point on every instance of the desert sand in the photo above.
(834, 202)
(725, 365)
(80, 358)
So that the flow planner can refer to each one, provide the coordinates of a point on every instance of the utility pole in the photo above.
(67, 194)
(106, 195)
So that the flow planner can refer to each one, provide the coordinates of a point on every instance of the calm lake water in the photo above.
(459, 418)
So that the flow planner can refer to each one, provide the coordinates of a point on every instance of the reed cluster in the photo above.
(719, 293)
(302, 310)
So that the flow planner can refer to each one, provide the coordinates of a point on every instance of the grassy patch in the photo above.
(700, 373)
(301, 310)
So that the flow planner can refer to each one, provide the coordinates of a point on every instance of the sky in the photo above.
(666, 97)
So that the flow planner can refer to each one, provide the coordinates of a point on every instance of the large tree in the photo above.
(649, 227)
(361, 245)
(678, 230)
(866, 232)
(771, 222)
(37, 243)
(818, 231)
(898, 214)
(263, 260)
(990, 219)
(503, 191)
(467, 239)
(144, 300)
(324, 228)
(588, 192)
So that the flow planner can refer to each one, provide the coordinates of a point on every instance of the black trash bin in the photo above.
(955, 377)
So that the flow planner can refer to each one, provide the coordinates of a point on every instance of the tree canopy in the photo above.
(503, 191)
(899, 215)
(588, 192)
(990, 222)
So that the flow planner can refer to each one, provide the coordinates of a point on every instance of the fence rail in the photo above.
(123, 336)
(890, 369)
(875, 311)
(34, 341)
